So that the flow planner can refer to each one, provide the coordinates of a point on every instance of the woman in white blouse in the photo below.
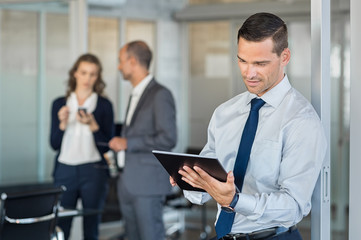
(82, 121)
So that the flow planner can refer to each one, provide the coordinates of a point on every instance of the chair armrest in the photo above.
(30, 220)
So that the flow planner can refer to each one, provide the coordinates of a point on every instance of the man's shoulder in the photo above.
(238, 99)
(296, 107)
(158, 88)
(299, 101)
(157, 85)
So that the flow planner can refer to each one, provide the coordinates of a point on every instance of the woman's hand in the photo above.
(63, 116)
(88, 119)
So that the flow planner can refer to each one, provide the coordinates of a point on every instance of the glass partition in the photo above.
(340, 121)
(210, 75)
(18, 93)
(299, 67)
(57, 45)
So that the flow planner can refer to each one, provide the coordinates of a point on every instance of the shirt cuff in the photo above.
(246, 204)
(196, 197)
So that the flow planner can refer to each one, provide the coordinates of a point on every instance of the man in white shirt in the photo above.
(289, 144)
(150, 124)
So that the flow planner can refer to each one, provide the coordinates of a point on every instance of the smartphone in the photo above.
(81, 109)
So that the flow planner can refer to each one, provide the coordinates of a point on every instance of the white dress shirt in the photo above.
(78, 145)
(135, 96)
(285, 160)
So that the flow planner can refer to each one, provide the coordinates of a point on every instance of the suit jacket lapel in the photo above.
(142, 100)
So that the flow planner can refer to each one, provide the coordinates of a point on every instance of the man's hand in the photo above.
(172, 182)
(118, 144)
(222, 192)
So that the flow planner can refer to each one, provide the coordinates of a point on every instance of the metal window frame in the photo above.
(355, 119)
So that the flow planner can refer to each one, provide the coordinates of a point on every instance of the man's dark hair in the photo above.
(141, 52)
(261, 26)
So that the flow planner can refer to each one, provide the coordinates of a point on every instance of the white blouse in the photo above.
(78, 145)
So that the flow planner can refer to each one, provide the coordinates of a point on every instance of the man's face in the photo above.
(261, 68)
(124, 65)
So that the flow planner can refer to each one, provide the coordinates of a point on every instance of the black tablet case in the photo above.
(173, 162)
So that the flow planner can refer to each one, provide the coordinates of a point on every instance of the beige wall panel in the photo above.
(103, 41)
(210, 75)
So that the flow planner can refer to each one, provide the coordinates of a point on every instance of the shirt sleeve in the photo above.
(56, 134)
(105, 120)
(197, 197)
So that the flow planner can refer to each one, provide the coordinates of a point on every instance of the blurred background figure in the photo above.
(150, 123)
(82, 124)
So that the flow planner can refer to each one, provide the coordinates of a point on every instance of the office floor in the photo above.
(193, 227)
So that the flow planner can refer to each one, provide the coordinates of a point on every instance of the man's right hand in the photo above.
(118, 144)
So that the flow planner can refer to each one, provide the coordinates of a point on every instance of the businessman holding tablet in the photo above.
(269, 139)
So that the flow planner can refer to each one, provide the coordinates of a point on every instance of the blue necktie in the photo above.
(225, 219)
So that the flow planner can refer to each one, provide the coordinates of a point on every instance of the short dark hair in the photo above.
(260, 26)
(99, 83)
(141, 52)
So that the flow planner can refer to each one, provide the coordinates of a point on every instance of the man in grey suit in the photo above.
(150, 124)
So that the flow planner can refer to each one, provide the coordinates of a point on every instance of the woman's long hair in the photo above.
(99, 84)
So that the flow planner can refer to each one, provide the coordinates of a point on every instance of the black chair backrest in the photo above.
(29, 214)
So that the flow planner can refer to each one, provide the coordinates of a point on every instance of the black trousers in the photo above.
(89, 182)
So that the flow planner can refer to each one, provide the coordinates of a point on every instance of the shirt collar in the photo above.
(139, 89)
(274, 96)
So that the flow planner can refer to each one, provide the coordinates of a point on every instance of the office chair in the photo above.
(30, 214)
(175, 210)
(174, 214)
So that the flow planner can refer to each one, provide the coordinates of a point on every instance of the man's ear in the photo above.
(133, 60)
(285, 56)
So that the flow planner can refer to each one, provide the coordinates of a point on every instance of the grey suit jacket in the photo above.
(153, 126)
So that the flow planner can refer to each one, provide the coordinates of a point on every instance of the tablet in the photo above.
(173, 162)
